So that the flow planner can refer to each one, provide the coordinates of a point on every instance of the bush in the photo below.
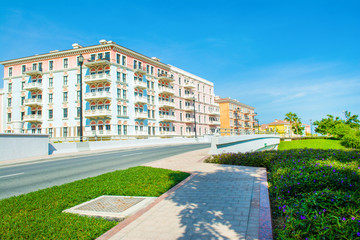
(352, 139)
(340, 130)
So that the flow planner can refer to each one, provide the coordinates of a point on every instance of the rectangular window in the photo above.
(65, 131)
(51, 82)
(9, 117)
(23, 68)
(51, 115)
(124, 77)
(123, 61)
(10, 71)
(118, 93)
(118, 76)
(78, 112)
(65, 97)
(78, 95)
(152, 70)
(65, 113)
(9, 102)
(66, 63)
(135, 64)
(10, 87)
(34, 66)
(65, 80)
(147, 68)
(179, 92)
(100, 56)
(118, 58)
(118, 110)
(124, 111)
(124, 94)
(22, 115)
(50, 97)
(40, 67)
(50, 132)
(22, 100)
(107, 56)
(119, 129)
(51, 65)
(92, 57)
(125, 130)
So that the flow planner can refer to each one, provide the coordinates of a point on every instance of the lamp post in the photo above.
(194, 116)
(81, 61)
(311, 127)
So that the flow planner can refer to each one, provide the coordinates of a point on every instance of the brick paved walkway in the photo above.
(217, 202)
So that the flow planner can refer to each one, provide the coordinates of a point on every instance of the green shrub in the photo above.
(352, 139)
(340, 130)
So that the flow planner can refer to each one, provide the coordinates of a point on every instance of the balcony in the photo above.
(139, 70)
(214, 112)
(33, 118)
(167, 118)
(98, 113)
(168, 104)
(33, 86)
(141, 133)
(96, 78)
(166, 77)
(33, 102)
(140, 99)
(189, 134)
(33, 71)
(98, 62)
(167, 90)
(188, 96)
(140, 84)
(213, 122)
(141, 115)
(97, 95)
(98, 133)
(167, 133)
(189, 85)
(188, 108)
(189, 120)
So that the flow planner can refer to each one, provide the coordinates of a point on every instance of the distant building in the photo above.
(235, 117)
(281, 127)
(307, 129)
(1, 108)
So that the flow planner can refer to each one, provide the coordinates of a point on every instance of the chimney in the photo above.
(156, 59)
(76, 45)
(103, 42)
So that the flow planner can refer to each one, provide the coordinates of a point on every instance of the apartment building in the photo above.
(1, 107)
(124, 94)
(235, 117)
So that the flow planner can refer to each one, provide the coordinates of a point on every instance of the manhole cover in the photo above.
(111, 207)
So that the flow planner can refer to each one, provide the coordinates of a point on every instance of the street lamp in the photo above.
(194, 116)
(81, 61)
(311, 127)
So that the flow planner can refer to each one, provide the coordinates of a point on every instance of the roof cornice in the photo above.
(233, 101)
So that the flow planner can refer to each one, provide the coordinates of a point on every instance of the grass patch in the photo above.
(311, 143)
(38, 215)
(314, 193)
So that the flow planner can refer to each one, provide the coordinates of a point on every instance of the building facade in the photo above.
(281, 127)
(124, 94)
(235, 117)
(1, 108)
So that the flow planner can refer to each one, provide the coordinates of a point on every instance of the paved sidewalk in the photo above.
(216, 202)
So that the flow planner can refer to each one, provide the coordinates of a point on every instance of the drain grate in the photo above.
(111, 207)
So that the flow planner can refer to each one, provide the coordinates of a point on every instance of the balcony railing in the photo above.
(188, 96)
(189, 134)
(189, 85)
(141, 133)
(140, 84)
(214, 122)
(94, 78)
(97, 95)
(98, 113)
(33, 86)
(141, 115)
(166, 77)
(139, 70)
(98, 133)
(188, 108)
(167, 118)
(163, 89)
(140, 99)
(167, 133)
(33, 118)
(97, 62)
(33, 102)
(189, 120)
(214, 112)
(170, 104)
(33, 71)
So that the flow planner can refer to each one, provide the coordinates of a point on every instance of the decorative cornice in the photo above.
(233, 101)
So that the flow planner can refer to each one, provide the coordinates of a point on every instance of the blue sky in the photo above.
(278, 56)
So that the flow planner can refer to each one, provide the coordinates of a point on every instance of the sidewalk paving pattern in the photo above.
(215, 202)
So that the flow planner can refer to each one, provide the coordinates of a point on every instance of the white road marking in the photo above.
(130, 154)
(15, 174)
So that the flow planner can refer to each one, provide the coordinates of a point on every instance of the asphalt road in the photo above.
(24, 178)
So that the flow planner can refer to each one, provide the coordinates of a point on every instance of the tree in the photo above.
(297, 127)
(352, 120)
(290, 117)
(326, 125)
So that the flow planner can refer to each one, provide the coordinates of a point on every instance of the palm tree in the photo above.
(290, 117)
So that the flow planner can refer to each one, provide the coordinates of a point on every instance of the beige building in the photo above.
(1, 108)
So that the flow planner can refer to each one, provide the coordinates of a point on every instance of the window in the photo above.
(22, 115)
(119, 129)
(23, 68)
(65, 112)
(118, 76)
(10, 71)
(9, 102)
(51, 65)
(65, 97)
(124, 94)
(179, 92)
(124, 111)
(50, 97)
(66, 63)
(123, 61)
(40, 67)
(22, 85)
(78, 76)
(180, 104)
(118, 110)
(51, 114)
(118, 93)
(152, 70)
(118, 58)
(51, 82)
(107, 56)
(34, 66)
(179, 80)
(135, 64)
(9, 117)
(10, 87)
(50, 132)
(78, 112)
(124, 77)
(65, 80)
(92, 57)
(65, 131)
(125, 130)
(22, 100)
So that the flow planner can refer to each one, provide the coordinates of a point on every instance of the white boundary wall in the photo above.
(243, 143)
(15, 146)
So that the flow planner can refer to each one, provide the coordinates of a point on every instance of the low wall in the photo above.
(14, 146)
(244, 143)
(59, 148)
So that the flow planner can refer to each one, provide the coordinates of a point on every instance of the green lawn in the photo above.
(38, 215)
(311, 143)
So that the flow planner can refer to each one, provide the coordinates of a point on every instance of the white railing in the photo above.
(189, 85)
(141, 115)
(141, 99)
(97, 78)
(33, 118)
(167, 117)
(167, 133)
(97, 112)
(141, 133)
(167, 103)
(214, 122)
(99, 133)
(141, 84)
(94, 95)
(32, 85)
(166, 89)
(33, 101)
